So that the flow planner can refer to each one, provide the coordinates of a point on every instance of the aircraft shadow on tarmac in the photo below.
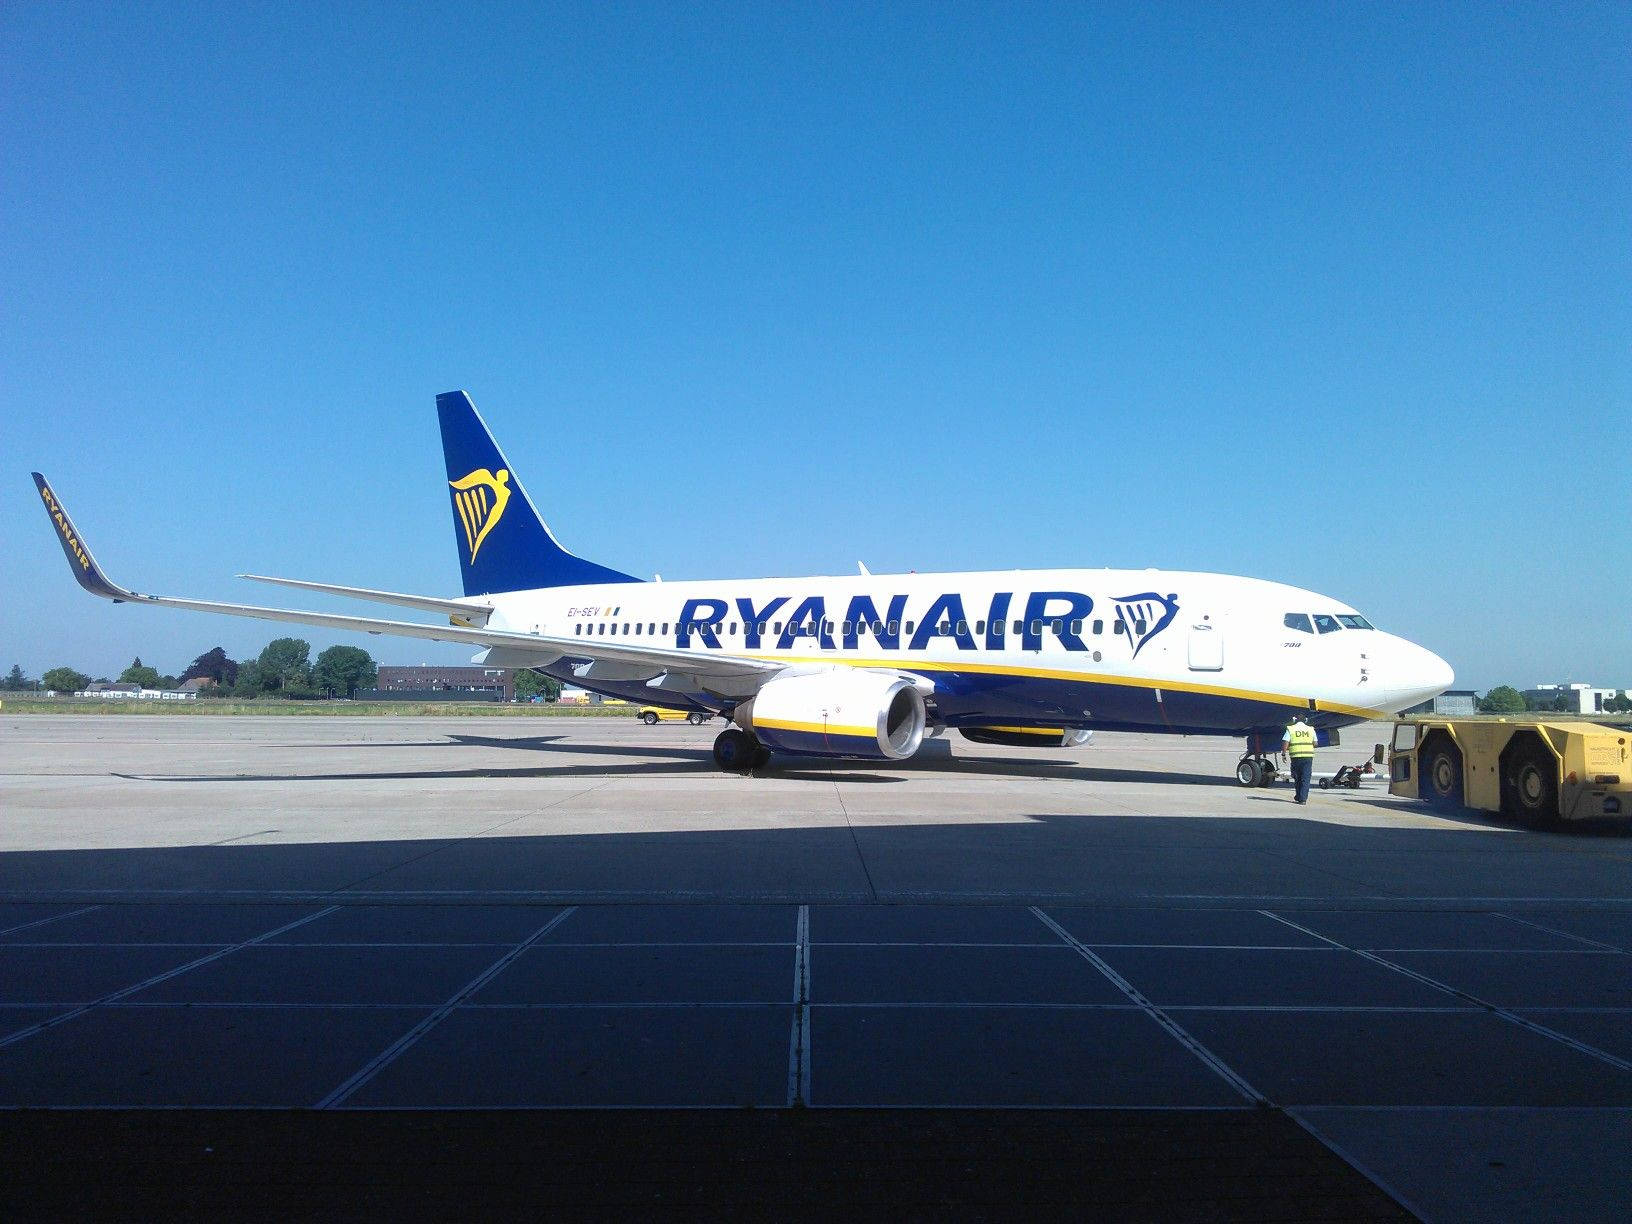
(686, 761)
(1036, 858)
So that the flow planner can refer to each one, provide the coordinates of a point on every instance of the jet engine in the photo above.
(1028, 737)
(846, 712)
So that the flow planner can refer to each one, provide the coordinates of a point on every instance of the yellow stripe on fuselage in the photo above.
(1046, 673)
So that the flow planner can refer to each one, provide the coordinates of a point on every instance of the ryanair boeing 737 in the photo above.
(868, 666)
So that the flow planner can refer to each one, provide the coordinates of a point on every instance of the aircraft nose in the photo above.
(1418, 674)
(1438, 674)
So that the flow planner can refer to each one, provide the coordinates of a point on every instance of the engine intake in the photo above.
(844, 713)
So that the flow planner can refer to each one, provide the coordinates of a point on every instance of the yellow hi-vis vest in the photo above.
(1300, 741)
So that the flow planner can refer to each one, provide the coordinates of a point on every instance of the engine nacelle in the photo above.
(1028, 737)
(843, 712)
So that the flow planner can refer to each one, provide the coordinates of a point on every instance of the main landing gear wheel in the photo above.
(1249, 771)
(735, 751)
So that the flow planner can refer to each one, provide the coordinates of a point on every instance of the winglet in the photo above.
(85, 568)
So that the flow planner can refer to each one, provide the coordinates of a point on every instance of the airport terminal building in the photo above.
(442, 684)
(1571, 698)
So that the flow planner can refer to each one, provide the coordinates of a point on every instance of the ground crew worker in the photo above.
(1299, 742)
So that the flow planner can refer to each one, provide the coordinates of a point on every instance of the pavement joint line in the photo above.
(117, 995)
(39, 922)
(1512, 1017)
(1222, 1069)
(872, 890)
(1550, 931)
(402, 1044)
(799, 1037)
(442, 847)
(227, 841)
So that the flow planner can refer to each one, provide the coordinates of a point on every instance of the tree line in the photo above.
(1505, 699)
(284, 668)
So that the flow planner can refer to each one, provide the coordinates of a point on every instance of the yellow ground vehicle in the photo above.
(652, 715)
(1538, 770)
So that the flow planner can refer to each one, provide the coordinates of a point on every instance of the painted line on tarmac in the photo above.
(1173, 1027)
(402, 1044)
(1561, 934)
(1358, 1165)
(39, 922)
(162, 977)
(1541, 1030)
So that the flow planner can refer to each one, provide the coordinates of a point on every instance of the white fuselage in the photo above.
(1170, 650)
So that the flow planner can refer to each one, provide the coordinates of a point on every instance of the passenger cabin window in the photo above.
(980, 626)
(578, 629)
(1099, 626)
(1119, 627)
(1019, 626)
(1326, 624)
(1298, 621)
(1354, 622)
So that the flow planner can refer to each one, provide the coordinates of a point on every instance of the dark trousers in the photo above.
(1301, 769)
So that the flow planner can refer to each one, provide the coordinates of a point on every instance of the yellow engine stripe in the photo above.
(781, 724)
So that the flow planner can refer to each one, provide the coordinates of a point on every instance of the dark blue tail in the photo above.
(503, 544)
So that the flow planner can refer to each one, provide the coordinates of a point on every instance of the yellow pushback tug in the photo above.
(1540, 771)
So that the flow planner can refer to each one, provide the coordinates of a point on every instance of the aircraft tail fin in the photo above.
(503, 543)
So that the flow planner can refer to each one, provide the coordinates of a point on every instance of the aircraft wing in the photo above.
(467, 610)
(652, 659)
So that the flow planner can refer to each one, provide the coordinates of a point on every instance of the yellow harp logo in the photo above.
(479, 500)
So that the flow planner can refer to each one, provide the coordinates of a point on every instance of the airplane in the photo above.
(872, 665)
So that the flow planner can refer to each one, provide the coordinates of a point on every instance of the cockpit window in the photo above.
(1354, 622)
(1326, 624)
(1298, 621)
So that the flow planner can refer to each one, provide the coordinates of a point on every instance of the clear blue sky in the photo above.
(1331, 294)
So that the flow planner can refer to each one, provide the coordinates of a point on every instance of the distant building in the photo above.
(442, 684)
(572, 695)
(134, 692)
(196, 685)
(1452, 703)
(1576, 698)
